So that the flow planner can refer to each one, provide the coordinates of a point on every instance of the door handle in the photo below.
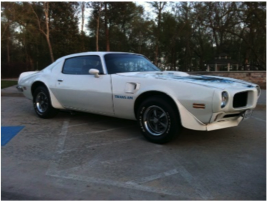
(60, 80)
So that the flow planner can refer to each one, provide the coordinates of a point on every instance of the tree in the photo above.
(45, 30)
(111, 27)
(97, 11)
(34, 34)
(158, 9)
(8, 17)
(106, 26)
(238, 21)
(65, 34)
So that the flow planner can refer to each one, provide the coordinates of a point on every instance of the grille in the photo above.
(240, 99)
(231, 115)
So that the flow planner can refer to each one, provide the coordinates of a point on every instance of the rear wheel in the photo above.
(159, 121)
(42, 104)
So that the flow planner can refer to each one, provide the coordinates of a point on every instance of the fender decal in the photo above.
(123, 97)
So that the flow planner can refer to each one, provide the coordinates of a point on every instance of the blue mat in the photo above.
(8, 132)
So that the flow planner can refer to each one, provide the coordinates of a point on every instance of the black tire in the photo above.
(42, 104)
(158, 119)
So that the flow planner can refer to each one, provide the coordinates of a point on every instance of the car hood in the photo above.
(204, 80)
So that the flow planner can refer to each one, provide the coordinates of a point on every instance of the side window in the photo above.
(117, 63)
(82, 64)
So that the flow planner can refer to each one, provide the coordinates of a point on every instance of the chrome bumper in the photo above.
(229, 122)
(20, 88)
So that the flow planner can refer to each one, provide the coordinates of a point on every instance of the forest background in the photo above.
(180, 36)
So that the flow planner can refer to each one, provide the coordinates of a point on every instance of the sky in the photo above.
(145, 5)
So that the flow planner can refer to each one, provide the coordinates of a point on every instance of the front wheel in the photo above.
(158, 119)
(42, 104)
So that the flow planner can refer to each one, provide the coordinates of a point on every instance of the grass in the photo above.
(5, 84)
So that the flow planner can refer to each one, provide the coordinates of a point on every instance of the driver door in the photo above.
(76, 89)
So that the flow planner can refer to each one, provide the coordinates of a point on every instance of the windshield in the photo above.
(117, 63)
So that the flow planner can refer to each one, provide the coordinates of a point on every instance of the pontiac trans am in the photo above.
(129, 86)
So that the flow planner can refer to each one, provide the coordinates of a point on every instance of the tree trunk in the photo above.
(158, 33)
(8, 50)
(201, 63)
(31, 63)
(45, 32)
(156, 54)
(46, 11)
(108, 41)
(82, 25)
(265, 54)
(106, 29)
(97, 32)
(8, 46)
(25, 49)
(83, 16)
(50, 49)
(216, 40)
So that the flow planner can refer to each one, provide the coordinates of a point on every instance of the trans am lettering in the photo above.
(124, 97)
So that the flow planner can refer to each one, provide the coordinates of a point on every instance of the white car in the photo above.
(129, 86)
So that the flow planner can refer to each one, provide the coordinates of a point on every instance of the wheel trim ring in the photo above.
(41, 102)
(155, 126)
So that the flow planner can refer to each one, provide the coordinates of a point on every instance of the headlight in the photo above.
(224, 99)
(258, 90)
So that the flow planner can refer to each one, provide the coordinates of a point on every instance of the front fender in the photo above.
(188, 120)
(126, 91)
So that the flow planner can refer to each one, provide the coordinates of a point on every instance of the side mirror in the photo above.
(95, 72)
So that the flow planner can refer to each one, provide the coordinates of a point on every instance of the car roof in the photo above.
(100, 53)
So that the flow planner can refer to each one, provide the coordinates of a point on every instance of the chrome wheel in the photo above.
(42, 103)
(155, 120)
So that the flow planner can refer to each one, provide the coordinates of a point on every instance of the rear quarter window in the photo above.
(82, 64)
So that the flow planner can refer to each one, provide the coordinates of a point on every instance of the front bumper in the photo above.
(225, 120)
(223, 124)
(20, 88)
(229, 122)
